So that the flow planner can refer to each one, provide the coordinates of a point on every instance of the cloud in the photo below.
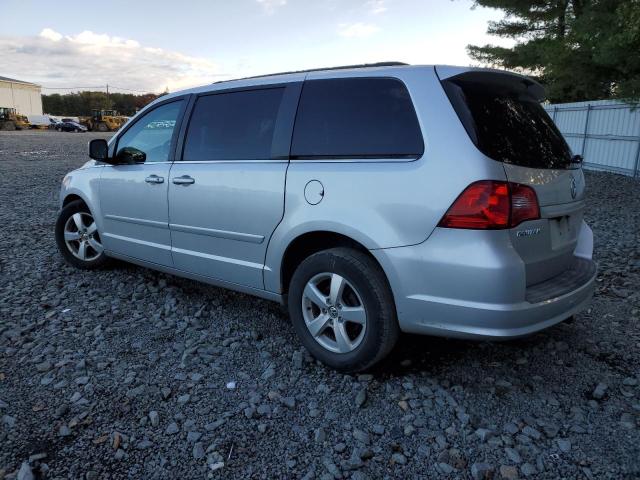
(357, 30)
(271, 5)
(377, 7)
(95, 59)
(51, 35)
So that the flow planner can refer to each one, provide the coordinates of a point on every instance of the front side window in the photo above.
(233, 125)
(149, 139)
(357, 118)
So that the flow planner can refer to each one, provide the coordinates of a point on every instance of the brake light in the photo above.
(492, 204)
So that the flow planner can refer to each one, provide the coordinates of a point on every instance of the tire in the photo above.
(58, 129)
(102, 127)
(72, 250)
(77, 130)
(364, 285)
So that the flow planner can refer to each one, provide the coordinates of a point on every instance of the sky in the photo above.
(143, 46)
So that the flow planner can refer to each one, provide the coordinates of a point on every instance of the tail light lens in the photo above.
(491, 204)
(524, 204)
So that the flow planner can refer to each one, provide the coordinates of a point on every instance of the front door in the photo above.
(226, 196)
(133, 195)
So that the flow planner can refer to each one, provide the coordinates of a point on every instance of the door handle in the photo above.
(184, 180)
(154, 179)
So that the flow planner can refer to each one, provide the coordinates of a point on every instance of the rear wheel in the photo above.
(8, 125)
(78, 238)
(343, 310)
(102, 127)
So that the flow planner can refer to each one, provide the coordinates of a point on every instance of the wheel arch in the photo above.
(72, 197)
(75, 194)
(308, 243)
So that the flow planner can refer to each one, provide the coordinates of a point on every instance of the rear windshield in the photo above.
(508, 127)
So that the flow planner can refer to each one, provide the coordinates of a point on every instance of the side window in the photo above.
(149, 139)
(233, 126)
(358, 118)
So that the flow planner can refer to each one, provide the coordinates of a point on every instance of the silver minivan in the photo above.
(370, 200)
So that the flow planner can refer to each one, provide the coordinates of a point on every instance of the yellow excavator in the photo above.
(11, 120)
(103, 120)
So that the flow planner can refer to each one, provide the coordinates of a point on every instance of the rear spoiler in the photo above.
(499, 79)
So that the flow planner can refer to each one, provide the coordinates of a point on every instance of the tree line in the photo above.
(579, 49)
(82, 103)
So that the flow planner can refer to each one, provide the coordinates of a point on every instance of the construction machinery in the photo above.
(11, 120)
(104, 120)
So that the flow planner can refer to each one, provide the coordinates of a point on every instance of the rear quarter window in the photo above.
(356, 118)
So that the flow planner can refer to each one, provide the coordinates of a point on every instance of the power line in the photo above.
(113, 87)
(100, 87)
(130, 89)
(68, 88)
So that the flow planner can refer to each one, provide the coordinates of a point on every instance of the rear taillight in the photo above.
(492, 204)
(524, 204)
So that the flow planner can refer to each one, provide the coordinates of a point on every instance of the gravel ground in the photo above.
(129, 373)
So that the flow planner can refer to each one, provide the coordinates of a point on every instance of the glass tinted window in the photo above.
(356, 117)
(507, 127)
(151, 134)
(233, 126)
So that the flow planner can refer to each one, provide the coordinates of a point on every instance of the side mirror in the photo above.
(98, 149)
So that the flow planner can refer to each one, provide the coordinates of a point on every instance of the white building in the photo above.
(25, 97)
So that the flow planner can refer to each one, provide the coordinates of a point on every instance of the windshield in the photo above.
(508, 127)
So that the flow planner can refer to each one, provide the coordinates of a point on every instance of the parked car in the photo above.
(373, 200)
(69, 126)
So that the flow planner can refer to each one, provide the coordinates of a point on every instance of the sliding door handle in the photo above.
(183, 180)
(154, 179)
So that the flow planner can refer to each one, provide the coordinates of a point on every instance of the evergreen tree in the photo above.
(580, 49)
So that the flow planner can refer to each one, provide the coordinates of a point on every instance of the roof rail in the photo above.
(343, 67)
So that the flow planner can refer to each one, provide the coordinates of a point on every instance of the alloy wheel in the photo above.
(334, 313)
(81, 237)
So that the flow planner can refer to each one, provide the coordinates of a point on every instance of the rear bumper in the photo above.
(491, 321)
(455, 285)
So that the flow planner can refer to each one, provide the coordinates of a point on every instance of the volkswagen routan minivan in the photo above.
(370, 200)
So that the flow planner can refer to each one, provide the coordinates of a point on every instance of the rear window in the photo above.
(508, 127)
(356, 118)
(233, 126)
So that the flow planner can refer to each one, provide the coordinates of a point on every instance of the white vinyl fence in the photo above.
(605, 132)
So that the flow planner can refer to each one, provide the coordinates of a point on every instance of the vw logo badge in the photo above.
(574, 188)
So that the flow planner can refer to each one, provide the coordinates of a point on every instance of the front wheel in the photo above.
(78, 238)
(343, 310)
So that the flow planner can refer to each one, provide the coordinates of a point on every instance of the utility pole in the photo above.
(108, 103)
